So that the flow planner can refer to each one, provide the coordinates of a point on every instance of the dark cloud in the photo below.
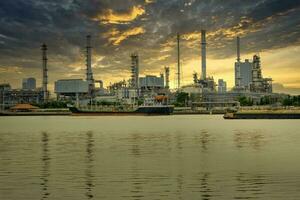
(63, 25)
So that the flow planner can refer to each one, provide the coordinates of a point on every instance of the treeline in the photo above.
(52, 104)
(291, 101)
(181, 99)
(267, 100)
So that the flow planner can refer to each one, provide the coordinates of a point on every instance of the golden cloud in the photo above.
(111, 17)
(149, 1)
(10, 69)
(245, 26)
(116, 37)
(163, 57)
(192, 36)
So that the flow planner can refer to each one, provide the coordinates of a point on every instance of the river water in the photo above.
(162, 157)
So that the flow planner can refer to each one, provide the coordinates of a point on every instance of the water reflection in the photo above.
(135, 148)
(136, 176)
(204, 139)
(179, 181)
(255, 139)
(178, 142)
(89, 175)
(250, 186)
(204, 187)
(45, 165)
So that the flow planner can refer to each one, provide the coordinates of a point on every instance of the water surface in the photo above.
(163, 157)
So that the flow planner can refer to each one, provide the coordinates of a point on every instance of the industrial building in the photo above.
(150, 82)
(248, 75)
(259, 84)
(249, 82)
(243, 74)
(206, 83)
(71, 87)
(28, 93)
(10, 97)
(79, 90)
(222, 86)
(29, 84)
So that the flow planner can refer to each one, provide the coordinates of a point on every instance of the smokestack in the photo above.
(178, 60)
(238, 53)
(45, 72)
(135, 70)
(89, 73)
(238, 59)
(167, 74)
(203, 54)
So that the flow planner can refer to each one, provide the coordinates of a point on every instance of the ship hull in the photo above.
(144, 110)
(262, 116)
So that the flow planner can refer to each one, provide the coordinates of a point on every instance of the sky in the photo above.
(270, 28)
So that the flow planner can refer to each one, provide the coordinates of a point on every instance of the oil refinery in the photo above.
(203, 94)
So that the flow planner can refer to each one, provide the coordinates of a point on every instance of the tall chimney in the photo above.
(45, 72)
(238, 53)
(238, 63)
(178, 60)
(135, 70)
(203, 54)
(167, 75)
(89, 73)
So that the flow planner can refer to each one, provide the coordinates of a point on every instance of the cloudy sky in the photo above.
(120, 27)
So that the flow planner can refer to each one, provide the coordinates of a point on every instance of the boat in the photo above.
(140, 110)
(30, 110)
(263, 114)
(36, 113)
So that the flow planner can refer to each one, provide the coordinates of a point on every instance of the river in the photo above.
(156, 157)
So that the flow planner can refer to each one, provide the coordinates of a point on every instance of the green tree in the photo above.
(181, 99)
(244, 101)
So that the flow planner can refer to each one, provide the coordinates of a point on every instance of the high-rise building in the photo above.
(29, 84)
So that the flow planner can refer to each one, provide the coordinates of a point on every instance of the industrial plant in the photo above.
(204, 92)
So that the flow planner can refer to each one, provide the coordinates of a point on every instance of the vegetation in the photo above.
(105, 103)
(52, 104)
(291, 101)
(244, 101)
(266, 100)
(181, 99)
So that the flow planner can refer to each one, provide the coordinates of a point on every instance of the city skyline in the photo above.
(149, 27)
